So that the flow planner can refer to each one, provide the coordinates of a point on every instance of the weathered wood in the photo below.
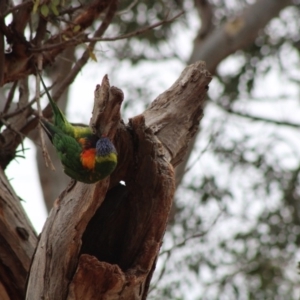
(113, 238)
(93, 279)
(125, 233)
(56, 257)
(129, 233)
(17, 243)
(174, 115)
(106, 99)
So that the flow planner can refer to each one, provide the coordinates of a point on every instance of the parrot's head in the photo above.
(105, 147)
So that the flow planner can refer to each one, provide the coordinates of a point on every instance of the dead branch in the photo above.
(18, 241)
(180, 110)
(126, 232)
(63, 232)
(106, 97)
(21, 17)
(131, 243)
(69, 205)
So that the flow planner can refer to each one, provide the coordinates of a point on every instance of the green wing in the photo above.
(69, 151)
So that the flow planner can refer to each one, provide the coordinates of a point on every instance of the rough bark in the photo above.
(11, 136)
(101, 241)
(18, 241)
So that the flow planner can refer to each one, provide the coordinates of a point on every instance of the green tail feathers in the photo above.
(62, 123)
(49, 129)
(58, 115)
(85, 157)
(59, 118)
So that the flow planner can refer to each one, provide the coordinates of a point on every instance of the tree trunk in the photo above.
(101, 241)
(18, 241)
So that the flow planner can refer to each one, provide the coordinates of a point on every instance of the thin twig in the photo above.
(10, 96)
(181, 244)
(199, 155)
(256, 118)
(23, 100)
(20, 110)
(46, 156)
(137, 32)
(2, 58)
(161, 274)
(76, 40)
(83, 20)
(128, 8)
(201, 234)
(9, 126)
(73, 41)
(2, 46)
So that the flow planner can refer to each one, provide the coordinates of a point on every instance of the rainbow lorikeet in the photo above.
(85, 156)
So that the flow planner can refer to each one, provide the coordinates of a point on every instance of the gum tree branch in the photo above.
(111, 253)
(18, 241)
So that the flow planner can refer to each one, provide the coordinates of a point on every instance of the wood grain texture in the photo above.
(17, 243)
(56, 256)
(126, 232)
(106, 98)
(101, 241)
(175, 114)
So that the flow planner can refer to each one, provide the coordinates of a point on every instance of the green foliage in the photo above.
(46, 8)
